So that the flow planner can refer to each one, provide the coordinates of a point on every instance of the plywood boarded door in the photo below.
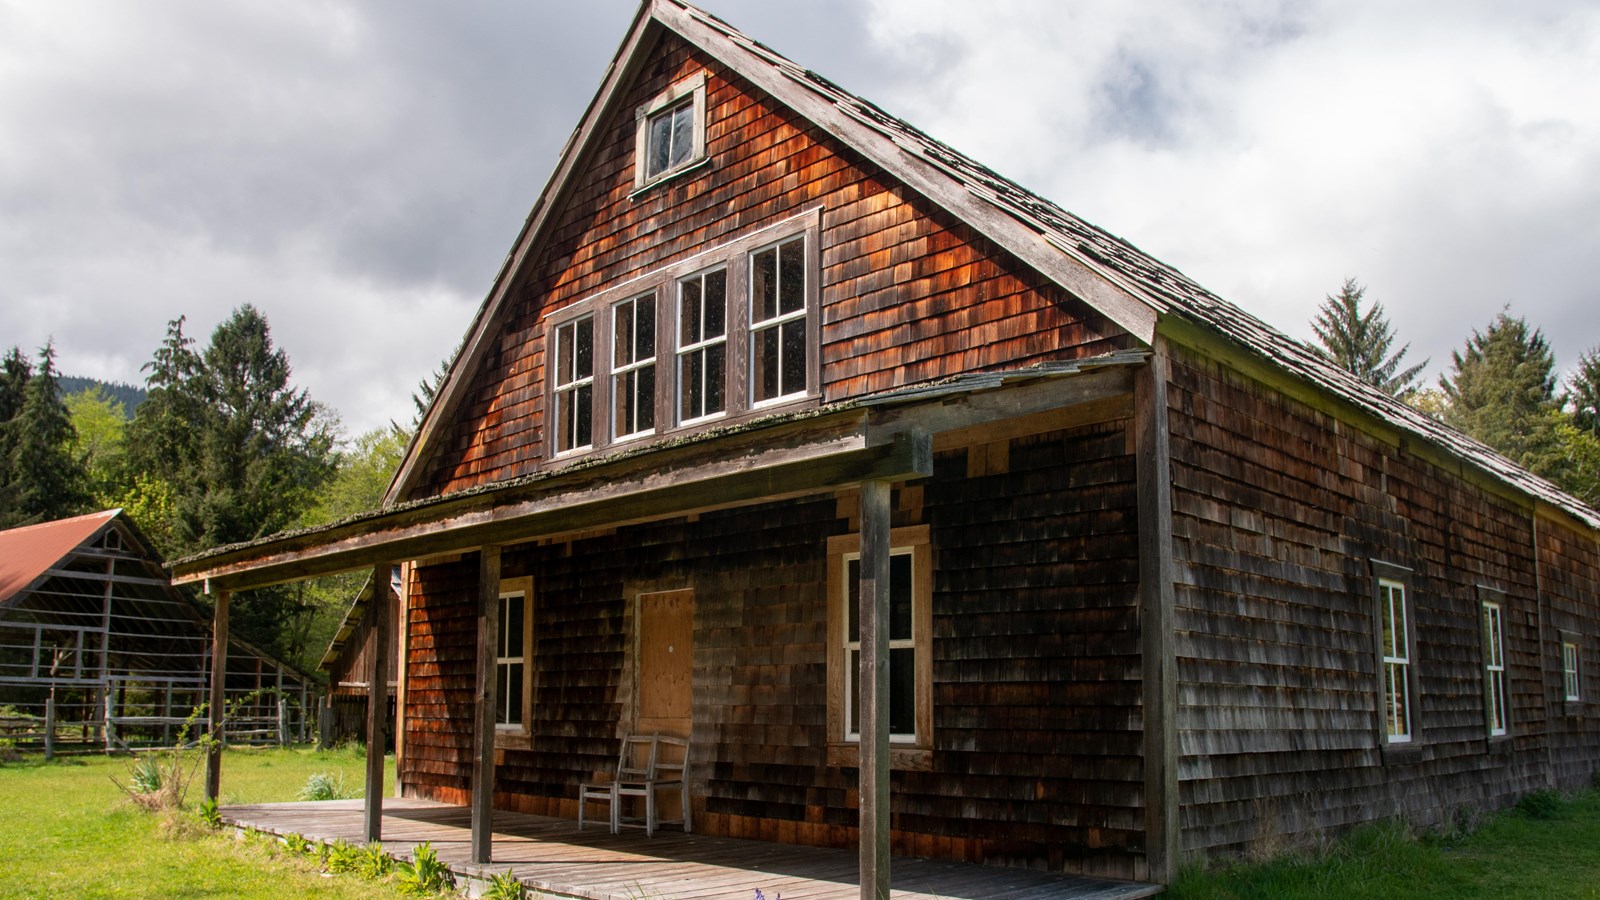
(666, 670)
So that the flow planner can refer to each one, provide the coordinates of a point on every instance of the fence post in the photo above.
(50, 725)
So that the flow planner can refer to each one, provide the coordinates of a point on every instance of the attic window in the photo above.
(671, 132)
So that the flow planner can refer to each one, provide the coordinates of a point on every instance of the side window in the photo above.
(778, 330)
(670, 134)
(1495, 709)
(574, 384)
(633, 367)
(1396, 660)
(1571, 668)
(510, 660)
(702, 345)
(910, 647)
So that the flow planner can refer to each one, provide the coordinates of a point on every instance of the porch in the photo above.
(552, 855)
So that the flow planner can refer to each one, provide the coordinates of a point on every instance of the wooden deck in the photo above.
(554, 856)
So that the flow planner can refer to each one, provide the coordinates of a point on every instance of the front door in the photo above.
(666, 655)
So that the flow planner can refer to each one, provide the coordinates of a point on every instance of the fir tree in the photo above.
(1584, 392)
(46, 481)
(14, 373)
(1503, 388)
(1359, 342)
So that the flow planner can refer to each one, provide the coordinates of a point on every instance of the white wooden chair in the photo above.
(642, 771)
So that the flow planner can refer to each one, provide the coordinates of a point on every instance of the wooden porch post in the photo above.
(219, 680)
(483, 708)
(874, 684)
(377, 701)
(1156, 614)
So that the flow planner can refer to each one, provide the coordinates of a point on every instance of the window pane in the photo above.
(763, 285)
(513, 630)
(853, 661)
(583, 416)
(900, 597)
(716, 375)
(511, 700)
(903, 691)
(716, 303)
(792, 277)
(764, 364)
(583, 344)
(794, 356)
(690, 329)
(564, 354)
(682, 134)
(852, 604)
(622, 335)
(645, 322)
(645, 403)
(625, 403)
(658, 154)
(691, 380)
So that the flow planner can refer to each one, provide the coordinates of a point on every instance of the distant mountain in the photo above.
(128, 395)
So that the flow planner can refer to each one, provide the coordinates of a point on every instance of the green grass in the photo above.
(1533, 852)
(66, 831)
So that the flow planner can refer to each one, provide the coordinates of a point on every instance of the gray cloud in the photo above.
(359, 170)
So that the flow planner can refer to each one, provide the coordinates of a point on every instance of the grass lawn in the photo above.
(1547, 850)
(67, 831)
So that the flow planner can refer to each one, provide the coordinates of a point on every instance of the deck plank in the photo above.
(553, 855)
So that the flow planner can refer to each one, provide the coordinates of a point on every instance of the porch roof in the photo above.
(885, 436)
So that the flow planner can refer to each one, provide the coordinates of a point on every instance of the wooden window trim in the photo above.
(693, 87)
(599, 407)
(1395, 750)
(517, 735)
(614, 370)
(914, 755)
(1571, 672)
(663, 283)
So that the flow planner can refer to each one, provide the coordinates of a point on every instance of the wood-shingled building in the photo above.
(937, 518)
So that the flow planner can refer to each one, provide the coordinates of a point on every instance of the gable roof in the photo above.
(1137, 291)
(29, 553)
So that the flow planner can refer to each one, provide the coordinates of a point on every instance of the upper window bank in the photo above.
(727, 334)
(670, 132)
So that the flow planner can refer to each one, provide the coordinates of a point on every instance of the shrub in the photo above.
(504, 886)
(326, 786)
(1540, 804)
(425, 874)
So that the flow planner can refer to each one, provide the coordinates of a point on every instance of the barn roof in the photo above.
(1132, 288)
(28, 553)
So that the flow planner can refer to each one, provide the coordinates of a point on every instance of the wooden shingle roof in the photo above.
(1128, 286)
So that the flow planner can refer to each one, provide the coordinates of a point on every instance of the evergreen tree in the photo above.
(45, 481)
(14, 373)
(1359, 342)
(162, 439)
(1584, 391)
(1503, 390)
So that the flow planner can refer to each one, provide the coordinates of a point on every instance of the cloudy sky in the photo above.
(359, 169)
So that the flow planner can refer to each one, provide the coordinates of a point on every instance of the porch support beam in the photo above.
(1157, 601)
(874, 685)
(757, 467)
(484, 705)
(215, 709)
(377, 700)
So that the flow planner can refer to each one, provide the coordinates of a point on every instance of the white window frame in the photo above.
(1399, 705)
(1571, 670)
(733, 257)
(702, 346)
(619, 372)
(505, 661)
(916, 643)
(575, 386)
(781, 319)
(689, 92)
(1497, 710)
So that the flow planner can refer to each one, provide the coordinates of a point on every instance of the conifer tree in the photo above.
(46, 481)
(1359, 342)
(1503, 387)
(14, 373)
(1584, 391)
